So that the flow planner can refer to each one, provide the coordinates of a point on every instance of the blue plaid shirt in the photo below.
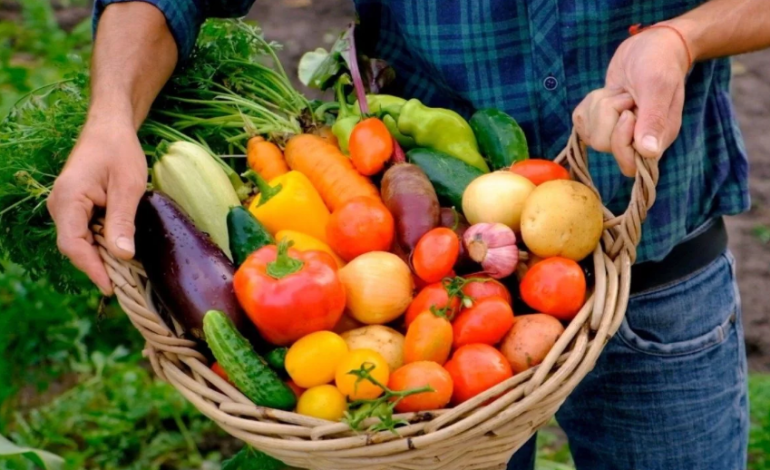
(537, 59)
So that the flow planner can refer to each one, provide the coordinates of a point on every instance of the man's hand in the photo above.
(107, 168)
(640, 107)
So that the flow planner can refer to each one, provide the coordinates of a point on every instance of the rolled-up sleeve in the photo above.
(184, 17)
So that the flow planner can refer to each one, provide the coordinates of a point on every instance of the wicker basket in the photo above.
(469, 436)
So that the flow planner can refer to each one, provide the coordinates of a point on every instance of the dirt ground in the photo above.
(301, 25)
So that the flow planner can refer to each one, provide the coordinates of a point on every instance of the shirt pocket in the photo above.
(694, 314)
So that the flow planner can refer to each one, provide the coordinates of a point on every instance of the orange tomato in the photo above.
(475, 368)
(353, 387)
(418, 375)
(435, 254)
(481, 286)
(539, 170)
(360, 225)
(486, 322)
(556, 286)
(370, 146)
(428, 338)
(431, 296)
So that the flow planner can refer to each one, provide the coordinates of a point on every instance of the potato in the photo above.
(386, 341)
(497, 197)
(562, 218)
(529, 340)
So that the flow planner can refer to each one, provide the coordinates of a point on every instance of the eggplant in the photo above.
(189, 273)
(450, 218)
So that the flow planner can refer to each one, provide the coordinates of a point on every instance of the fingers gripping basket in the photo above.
(469, 436)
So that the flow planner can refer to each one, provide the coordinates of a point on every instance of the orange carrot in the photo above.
(328, 169)
(265, 158)
(325, 132)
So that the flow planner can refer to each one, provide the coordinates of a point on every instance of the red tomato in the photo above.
(556, 286)
(370, 146)
(435, 254)
(220, 372)
(298, 391)
(360, 225)
(434, 295)
(539, 170)
(288, 294)
(481, 286)
(428, 338)
(418, 375)
(486, 322)
(475, 368)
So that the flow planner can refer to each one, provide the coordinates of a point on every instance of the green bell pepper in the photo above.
(441, 129)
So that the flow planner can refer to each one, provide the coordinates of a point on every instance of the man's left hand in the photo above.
(640, 107)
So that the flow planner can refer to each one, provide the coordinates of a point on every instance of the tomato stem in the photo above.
(284, 265)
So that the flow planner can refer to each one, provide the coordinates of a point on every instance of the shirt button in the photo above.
(550, 83)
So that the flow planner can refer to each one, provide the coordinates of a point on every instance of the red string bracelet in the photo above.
(633, 30)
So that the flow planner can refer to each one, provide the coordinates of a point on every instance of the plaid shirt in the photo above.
(537, 59)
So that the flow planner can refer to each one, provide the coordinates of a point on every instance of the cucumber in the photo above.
(250, 458)
(448, 175)
(500, 138)
(246, 234)
(246, 369)
(277, 359)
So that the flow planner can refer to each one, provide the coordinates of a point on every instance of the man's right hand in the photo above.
(107, 168)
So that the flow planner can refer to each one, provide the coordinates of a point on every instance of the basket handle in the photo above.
(627, 227)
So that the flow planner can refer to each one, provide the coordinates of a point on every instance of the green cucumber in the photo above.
(277, 359)
(245, 368)
(449, 175)
(250, 458)
(246, 234)
(500, 138)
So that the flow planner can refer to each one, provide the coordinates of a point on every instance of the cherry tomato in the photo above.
(370, 146)
(418, 375)
(431, 296)
(428, 338)
(539, 170)
(356, 389)
(481, 286)
(435, 254)
(360, 225)
(323, 402)
(475, 368)
(486, 322)
(313, 360)
(556, 286)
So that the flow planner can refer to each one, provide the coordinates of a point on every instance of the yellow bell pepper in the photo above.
(290, 202)
(304, 242)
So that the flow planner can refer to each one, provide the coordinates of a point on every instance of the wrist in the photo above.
(690, 35)
(113, 112)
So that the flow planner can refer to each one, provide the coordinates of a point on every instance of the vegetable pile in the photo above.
(370, 255)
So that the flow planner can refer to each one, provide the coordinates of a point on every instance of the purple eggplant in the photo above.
(452, 219)
(189, 273)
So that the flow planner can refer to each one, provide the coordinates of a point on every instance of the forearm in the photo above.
(721, 28)
(134, 55)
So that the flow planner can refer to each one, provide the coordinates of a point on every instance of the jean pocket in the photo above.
(689, 316)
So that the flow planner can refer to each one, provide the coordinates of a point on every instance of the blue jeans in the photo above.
(669, 392)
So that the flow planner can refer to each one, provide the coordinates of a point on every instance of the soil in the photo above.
(302, 25)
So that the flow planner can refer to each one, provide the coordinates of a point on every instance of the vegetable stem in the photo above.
(284, 265)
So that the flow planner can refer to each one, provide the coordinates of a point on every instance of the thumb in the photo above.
(122, 200)
(652, 119)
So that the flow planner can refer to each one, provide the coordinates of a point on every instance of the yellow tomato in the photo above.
(313, 359)
(350, 385)
(324, 402)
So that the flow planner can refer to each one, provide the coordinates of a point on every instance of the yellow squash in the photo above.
(304, 242)
(290, 203)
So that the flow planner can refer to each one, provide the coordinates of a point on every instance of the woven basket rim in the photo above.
(481, 433)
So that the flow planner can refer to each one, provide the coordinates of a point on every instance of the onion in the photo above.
(379, 287)
(497, 198)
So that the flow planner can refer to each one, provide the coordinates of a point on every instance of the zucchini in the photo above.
(246, 234)
(500, 138)
(246, 369)
(277, 359)
(250, 458)
(448, 175)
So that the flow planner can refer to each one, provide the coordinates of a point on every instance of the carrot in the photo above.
(265, 158)
(331, 172)
(325, 132)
